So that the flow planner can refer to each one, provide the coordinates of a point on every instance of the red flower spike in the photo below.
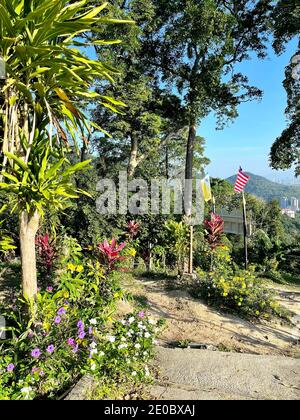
(111, 252)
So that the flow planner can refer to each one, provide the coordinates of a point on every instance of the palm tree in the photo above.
(50, 80)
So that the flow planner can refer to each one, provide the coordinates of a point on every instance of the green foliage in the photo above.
(194, 44)
(49, 74)
(6, 242)
(286, 23)
(179, 241)
(45, 181)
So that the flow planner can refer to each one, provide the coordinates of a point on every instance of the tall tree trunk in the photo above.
(188, 190)
(133, 162)
(190, 151)
(29, 224)
(189, 167)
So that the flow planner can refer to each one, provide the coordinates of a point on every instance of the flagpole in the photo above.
(245, 231)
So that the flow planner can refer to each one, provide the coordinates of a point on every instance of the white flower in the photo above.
(147, 335)
(101, 353)
(129, 334)
(123, 339)
(134, 373)
(145, 353)
(147, 372)
(26, 390)
(122, 346)
(155, 342)
(123, 322)
(131, 331)
(131, 320)
(93, 367)
(93, 345)
(151, 321)
(93, 322)
(111, 338)
(137, 346)
(94, 351)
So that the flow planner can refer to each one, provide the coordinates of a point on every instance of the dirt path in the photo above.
(204, 375)
(188, 319)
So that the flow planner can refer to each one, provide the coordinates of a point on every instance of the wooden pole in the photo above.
(213, 200)
(191, 265)
(245, 231)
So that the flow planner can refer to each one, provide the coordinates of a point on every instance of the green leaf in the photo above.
(17, 160)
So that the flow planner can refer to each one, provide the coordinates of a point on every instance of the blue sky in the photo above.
(248, 140)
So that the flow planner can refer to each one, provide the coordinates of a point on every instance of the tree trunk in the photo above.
(133, 162)
(188, 190)
(190, 151)
(29, 224)
(189, 169)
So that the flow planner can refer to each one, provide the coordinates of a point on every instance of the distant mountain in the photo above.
(268, 190)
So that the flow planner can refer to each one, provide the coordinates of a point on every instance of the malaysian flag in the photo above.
(241, 181)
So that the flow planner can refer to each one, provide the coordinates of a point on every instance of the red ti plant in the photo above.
(111, 252)
(215, 229)
(46, 251)
(133, 228)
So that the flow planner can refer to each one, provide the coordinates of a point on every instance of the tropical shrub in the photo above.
(239, 292)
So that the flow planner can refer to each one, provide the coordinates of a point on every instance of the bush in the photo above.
(239, 292)
(70, 331)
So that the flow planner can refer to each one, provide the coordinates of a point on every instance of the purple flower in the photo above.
(61, 311)
(90, 330)
(50, 349)
(80, 325)
(75, 349)
(81, 335)
(42, 373)
(57, 320)
(142, 314)
(10, 367)
(71, 342)
(30, 334)
(49, 289)
(36, 353)
(35, 370)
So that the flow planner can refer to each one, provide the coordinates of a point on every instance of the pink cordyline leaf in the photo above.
(46, 251)
(133, 228)
(215, 229)
(111, 252)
